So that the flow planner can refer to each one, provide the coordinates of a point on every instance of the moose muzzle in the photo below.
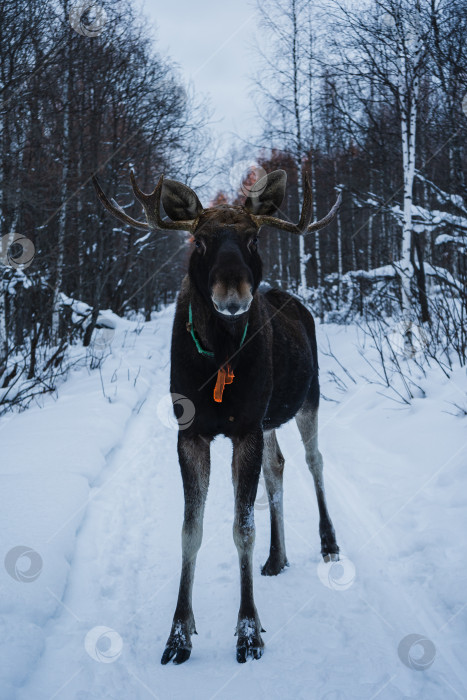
(232, 300)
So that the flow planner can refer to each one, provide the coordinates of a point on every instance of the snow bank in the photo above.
(50, 460)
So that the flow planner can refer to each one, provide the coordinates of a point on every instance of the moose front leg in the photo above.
(246, 467)
(194, 456)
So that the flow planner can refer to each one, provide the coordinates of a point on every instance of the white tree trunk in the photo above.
(79, 207)
(3, 328)
(408, 155)
(3, 336)
(319, 272)
(3, 282)
(302, 288)
(340, 266)
(311, 112)
(63, 210)
(370, 230)
(408, 102)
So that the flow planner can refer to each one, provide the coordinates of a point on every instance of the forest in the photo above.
(367, 101)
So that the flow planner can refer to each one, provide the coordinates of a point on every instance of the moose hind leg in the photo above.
(194, 456)
(307, 421)
(273, 470)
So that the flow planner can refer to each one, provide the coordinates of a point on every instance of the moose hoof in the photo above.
(177, 653)
(249, 643)
(178, 645)
(274, 566)
(332, 556)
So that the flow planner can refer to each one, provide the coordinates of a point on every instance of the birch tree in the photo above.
(411, 49)
(284, 91)
(387, 46)
(311, 70)
(65, 164)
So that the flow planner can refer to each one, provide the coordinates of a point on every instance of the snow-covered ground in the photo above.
(90, 482)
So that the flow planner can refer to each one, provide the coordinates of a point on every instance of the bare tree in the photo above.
(72, 105)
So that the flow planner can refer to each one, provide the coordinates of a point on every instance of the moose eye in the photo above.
(200, 245)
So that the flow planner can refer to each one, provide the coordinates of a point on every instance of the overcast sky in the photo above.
(211, 40)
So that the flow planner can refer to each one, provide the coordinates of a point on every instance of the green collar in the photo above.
(200, 349)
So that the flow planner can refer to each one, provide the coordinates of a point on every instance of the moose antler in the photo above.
(151, 205)
(304, 226)
(115, 209)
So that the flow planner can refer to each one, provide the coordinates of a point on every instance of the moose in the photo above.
(247, 361)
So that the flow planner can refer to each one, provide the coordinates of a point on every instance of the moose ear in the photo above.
(179, 201)
(266, 195)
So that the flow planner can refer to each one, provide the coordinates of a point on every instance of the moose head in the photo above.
(225, 265)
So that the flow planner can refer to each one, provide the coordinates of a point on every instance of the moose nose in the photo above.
(232, 305)
(234, 308)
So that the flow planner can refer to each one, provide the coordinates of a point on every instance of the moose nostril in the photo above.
(231, 304)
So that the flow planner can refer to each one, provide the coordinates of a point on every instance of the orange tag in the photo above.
(224, 376)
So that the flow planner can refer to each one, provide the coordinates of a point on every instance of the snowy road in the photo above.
(396, 485)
